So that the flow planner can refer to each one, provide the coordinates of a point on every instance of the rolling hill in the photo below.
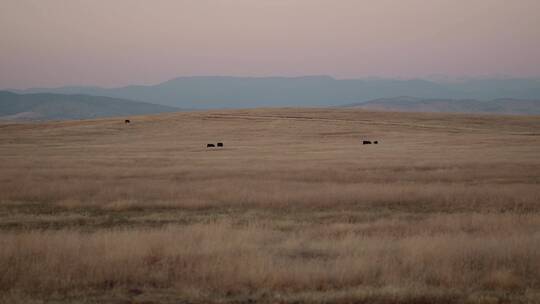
(48, 106)
(412, 104)
(248, 92)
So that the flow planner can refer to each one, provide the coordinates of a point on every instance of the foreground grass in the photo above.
(448, 258)
(293, 209)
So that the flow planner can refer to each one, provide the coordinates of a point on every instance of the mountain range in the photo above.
(501, 96)
(48, 106)
(249, 92)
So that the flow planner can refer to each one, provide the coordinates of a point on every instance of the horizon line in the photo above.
(435, 78)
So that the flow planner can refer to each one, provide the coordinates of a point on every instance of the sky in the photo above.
(49, 43)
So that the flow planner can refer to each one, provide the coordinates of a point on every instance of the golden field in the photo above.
(294, 209)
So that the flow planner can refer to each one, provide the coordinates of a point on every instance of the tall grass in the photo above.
(463, 252)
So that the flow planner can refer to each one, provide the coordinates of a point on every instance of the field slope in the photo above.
(48, 106)
(293, 208)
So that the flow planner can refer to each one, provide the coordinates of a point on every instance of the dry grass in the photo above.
(293, 209)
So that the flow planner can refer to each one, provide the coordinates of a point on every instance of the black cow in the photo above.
(127, 121)
(220, 145)
(375, 142)
(366, 142)
(210, 145)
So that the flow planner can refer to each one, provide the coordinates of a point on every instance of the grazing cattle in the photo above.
(375, 142)
(366, 142)
(127, 121)
(220, 145)
(210, 145)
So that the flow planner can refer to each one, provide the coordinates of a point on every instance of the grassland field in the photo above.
(293, 208)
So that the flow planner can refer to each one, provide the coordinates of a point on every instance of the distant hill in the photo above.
(47, 106)
(412, 104)
(244, 92)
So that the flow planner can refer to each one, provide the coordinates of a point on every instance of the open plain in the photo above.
(293, 208)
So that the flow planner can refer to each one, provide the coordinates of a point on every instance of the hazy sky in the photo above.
(119, 42)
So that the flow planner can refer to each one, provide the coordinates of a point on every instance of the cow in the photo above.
(375, 142)
(127, 121)
(210, 145)
(366, 142)
(220, 145)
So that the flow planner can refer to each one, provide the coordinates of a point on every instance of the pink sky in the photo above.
(120, 42)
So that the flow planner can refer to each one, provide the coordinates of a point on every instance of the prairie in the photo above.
(293, 208)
